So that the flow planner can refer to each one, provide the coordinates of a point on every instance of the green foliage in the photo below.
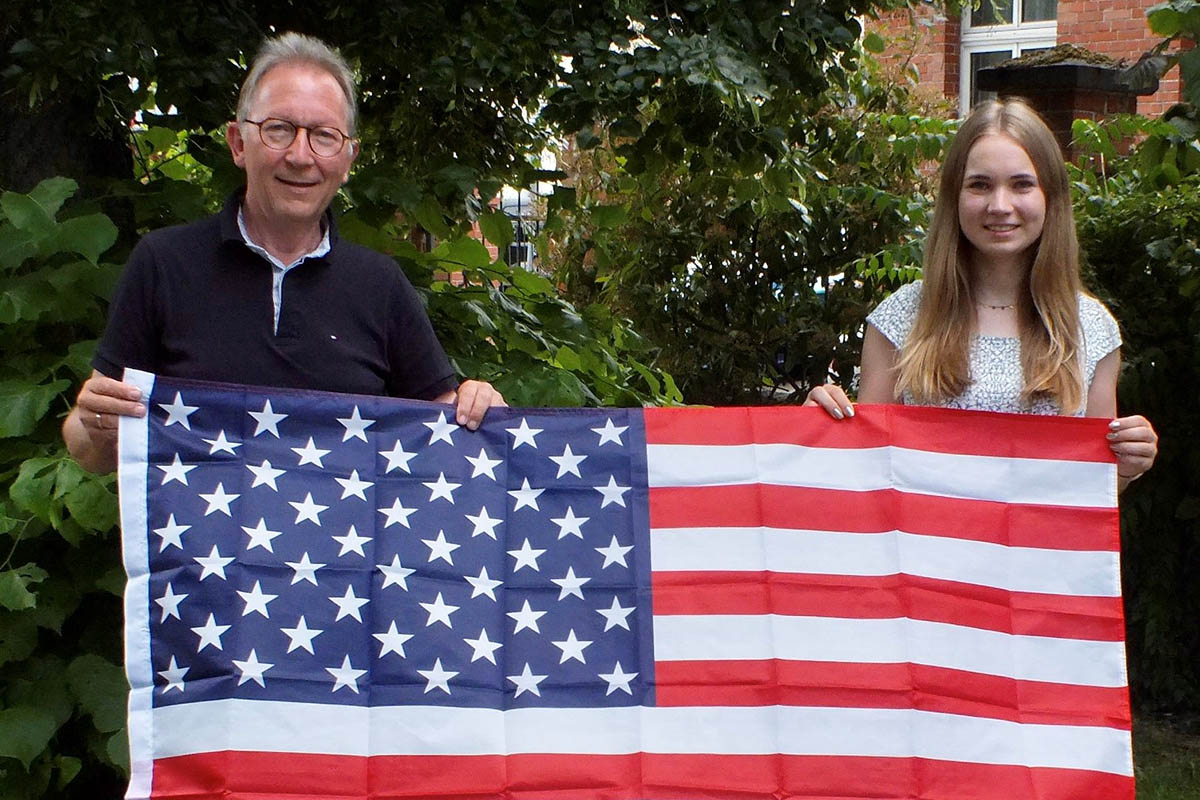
(1176, 20)
(58, 709)
(749, 252)
(1137, 225)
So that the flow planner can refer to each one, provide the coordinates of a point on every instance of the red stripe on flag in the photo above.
(883, 510)
(258, 776)
(823, 684)
(889, 597)
(934, 430)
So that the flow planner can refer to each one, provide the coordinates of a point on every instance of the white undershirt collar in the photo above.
(278, 268)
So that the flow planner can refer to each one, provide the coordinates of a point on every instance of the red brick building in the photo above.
(948, 51)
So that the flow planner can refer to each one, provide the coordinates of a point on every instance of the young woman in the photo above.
(1000, 321)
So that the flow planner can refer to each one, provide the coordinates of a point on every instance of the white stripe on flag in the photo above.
(1015, 569)
(734, 637)
(1008, 480)
(424, 730)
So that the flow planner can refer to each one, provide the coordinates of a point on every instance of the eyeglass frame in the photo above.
(307, 135)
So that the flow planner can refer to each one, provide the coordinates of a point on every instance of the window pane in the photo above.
(978, 62)
(993, 12)
(1038, 10)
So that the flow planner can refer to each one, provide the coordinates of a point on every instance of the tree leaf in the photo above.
(25, 732)
(26, 214)
(497, 228)
(51, 193)
(16, 246)
(23, 405)
(88, 236)
(14, 586)
(101, 689)
(874, 43)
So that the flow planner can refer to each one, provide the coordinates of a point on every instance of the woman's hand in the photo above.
(831, 398)
(1135, 444)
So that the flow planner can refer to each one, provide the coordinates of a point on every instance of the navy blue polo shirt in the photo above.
(196, 302)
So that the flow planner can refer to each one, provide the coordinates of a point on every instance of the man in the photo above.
(265, 293)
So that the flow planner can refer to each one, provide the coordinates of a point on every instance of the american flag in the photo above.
(353, 597)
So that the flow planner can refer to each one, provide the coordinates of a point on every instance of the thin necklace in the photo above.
(996, 308)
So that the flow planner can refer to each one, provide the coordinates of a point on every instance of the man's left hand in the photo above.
(471, 401)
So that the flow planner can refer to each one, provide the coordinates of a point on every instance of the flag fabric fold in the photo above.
(339, 596)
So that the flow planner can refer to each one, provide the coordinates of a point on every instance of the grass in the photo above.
(1166, 757)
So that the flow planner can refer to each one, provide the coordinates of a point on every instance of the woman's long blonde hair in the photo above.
(933, 364)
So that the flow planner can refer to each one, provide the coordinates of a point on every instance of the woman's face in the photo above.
(1001, 206)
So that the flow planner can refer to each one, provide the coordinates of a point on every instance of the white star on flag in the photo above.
(354, 486)
(310, 454)
(346, 675)
(441, 488)
(301, 636)
(526, 682)
(395, 574)
(614, 553)
(214, 564)
(171, 533)
(256, 601)
(572, 648)
(222, 445)
(392, 641)
(569, 584)
(252, 669)
(351, 542)
(483, 647)
(348, 605)
(260, 536)
(173, 675)
(264, 474)
(169, 603)
(484, 523)
(307, 510)
(568, 462)
(482, 465)
(618, 679)
(437, 677)
(440, 431)
(397, 458)
(569, 524)
(439, 611)
(612, 493)
(268, 420)
(524, 434)
(526, 497)
(219, 500)
(176, 471)
(526, 556)
(616, 616)
(526, 618)
(610, 432)
(397, 513)
(440, 548)
(356, 426)
(210, 634)
(482, 584)
(304, 569)
(178, 412)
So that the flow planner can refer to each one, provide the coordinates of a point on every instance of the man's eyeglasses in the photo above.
(278, 134)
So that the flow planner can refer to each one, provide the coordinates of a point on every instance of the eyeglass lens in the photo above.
(278, 134)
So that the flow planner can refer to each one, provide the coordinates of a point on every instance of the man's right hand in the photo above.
(90, 430)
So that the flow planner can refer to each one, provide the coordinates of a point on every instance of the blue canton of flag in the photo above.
(354, 550)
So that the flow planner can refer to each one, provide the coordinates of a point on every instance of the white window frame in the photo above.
(1016, 37)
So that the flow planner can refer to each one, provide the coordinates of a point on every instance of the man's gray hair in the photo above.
(296, 48)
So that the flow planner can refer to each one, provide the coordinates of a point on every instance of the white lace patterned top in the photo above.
(995, 361)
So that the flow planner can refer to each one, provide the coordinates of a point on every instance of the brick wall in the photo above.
(1116, 28)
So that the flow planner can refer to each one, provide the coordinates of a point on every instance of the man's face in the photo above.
(292, 186)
